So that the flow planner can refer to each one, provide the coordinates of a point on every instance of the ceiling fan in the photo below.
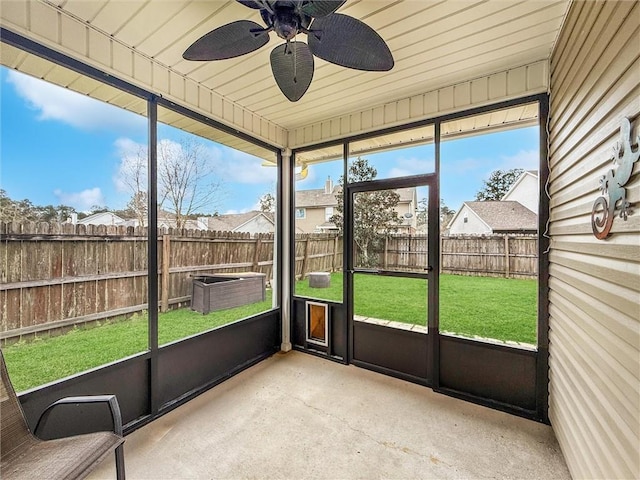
(333, 37)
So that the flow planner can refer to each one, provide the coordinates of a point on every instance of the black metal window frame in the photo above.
(542, 354)
(153, 102)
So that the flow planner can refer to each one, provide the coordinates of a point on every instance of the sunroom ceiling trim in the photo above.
(56, 28)
(501, 86)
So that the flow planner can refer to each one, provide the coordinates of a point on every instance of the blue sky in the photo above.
(58, 147)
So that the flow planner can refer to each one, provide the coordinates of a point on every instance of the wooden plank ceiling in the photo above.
(434, 44)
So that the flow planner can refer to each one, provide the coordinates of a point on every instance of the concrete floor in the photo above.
(300, 417)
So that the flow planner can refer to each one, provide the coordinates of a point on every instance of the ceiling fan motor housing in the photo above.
(287, 21)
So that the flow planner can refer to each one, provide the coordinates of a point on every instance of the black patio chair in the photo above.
(24, 456)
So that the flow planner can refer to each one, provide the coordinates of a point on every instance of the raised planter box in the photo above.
(218, 292)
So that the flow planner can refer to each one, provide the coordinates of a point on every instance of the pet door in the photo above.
(317, 323)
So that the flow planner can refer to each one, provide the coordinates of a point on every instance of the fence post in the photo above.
(334, 263)
(166, 255)
(506, 257)
(256, 254)
(441, 254)
(305, 260)
(386, 250)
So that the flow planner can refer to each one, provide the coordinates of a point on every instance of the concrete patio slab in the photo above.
(300, 417)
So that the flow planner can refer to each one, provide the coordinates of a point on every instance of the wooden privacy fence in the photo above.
(317, 252)
(509, 255)
(54, 276)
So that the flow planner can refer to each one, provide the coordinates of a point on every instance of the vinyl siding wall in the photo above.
(594, 403)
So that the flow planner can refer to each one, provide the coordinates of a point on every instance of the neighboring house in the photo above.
(525, 190)
(484, 218)
(517, 212)
(102, 218)
(251, 222)
(315, 207)
(168, 220)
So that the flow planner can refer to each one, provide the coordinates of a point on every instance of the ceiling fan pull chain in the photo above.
(295, 59)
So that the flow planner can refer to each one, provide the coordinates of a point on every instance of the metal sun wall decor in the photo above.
(612, 184)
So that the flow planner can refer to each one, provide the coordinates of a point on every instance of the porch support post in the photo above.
(284, 209)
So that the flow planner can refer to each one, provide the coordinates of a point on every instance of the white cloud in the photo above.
(238, 167)
(81, 201)
(60, 104)
(411, 166)
(463, 166)
(526, 159)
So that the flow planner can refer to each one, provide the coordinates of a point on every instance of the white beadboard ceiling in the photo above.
(435, 44)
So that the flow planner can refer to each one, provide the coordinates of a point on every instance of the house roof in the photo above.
(503, 216)
(318, 198)
(232, 221)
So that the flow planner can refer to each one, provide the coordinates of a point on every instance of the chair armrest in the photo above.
(111, 400)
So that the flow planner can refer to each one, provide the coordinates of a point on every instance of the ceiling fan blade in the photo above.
(292, 66)
(321, 8)
(348, 42)
(228, 41)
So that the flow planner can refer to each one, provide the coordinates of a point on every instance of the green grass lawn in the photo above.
(498, 308)
(42, 360)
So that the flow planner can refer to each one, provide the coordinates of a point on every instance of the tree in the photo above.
(11, 210)
(268, 203)
(446, 214)
(498, 184)
(373, 212)
(138, 206)
(133, 176)
(422, 217)
(185, 178)
(49, 213)
(26, 211)
(186, 182)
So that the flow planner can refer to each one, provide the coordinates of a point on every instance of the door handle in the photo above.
(429, 269)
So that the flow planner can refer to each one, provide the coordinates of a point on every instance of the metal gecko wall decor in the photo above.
(614, 195)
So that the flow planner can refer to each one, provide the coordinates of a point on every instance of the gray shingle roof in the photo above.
(316, 198)
(505, 215)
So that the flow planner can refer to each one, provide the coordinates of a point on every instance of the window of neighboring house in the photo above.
(465, 219)
(301, 213)
(328, 213)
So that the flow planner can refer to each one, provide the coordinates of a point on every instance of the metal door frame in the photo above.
(431, 275)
